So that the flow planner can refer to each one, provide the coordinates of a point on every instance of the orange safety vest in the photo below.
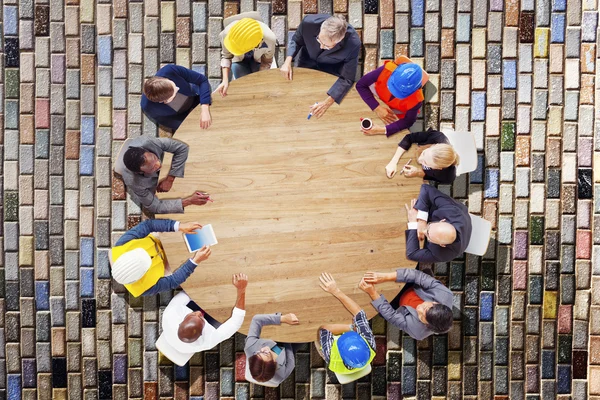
(402, 105)
(154, 248)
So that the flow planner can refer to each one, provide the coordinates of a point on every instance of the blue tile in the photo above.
(13, 387)
(42, 143)
(103, 265)
(589, 26)
(86, 258)
(11, 21)
(417, 16)
(409, 350)
(558, 28)
(491, 183)
(87, 282)
(417, 46)
(509, 75)
(42, 295)
(104, 50)
(29, 373)
(409, 381)
(120, 368)
(477, 175)
(559, 5)
(181, 373)
(11, 114)
(463, 28)
(548, 363)
(86, 160)
(478, 106)
(386, 40)
(88, 129)
(486, 307)
(564, 379)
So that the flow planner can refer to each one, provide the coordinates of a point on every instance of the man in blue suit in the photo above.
(169, 96)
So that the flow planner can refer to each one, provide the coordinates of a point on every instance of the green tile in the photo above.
(135, 352)
(11, 83)
(11, 206)
(488, 276)
(565, 344)
(378, 325)
(536, 230)
(508, 136)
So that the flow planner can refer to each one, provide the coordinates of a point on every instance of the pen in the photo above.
(310, 113)
(405, 165)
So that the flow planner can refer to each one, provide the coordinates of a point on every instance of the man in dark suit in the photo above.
(169, 96)
(326, 43)
(443, 222)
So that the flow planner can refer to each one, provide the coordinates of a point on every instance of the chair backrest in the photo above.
(464, 145)
(119, 166)
(480, 235)
(347, 378)
(250, 379)
(171, 353)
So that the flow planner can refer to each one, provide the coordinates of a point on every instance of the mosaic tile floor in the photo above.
(522, 75)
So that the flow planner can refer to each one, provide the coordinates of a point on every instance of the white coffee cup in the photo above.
(366, 123)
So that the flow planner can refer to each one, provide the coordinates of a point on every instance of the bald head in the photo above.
(190, 329)
(441, 233)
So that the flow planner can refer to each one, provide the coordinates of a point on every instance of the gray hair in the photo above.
(335, 27)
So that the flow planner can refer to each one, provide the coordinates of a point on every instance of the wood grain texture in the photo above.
(292, 198)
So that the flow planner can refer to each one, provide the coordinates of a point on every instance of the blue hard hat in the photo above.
(405, 80)
(355, 352)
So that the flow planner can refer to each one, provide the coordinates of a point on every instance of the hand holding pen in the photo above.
(405, 165)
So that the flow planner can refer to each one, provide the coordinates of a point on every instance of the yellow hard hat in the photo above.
(244, 36)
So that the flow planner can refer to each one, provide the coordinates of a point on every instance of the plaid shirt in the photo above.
(360, 324)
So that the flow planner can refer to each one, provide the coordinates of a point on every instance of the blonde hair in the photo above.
(443, 155)
(335, 27)
(158, 89)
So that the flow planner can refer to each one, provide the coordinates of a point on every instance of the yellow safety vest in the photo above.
(154, 248)
(336, 364)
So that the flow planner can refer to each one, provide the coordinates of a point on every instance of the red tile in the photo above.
(231, 8)
(386, 13)
(520, 275)
(182, 37)
(584, 244)
(240, 367)
(133, 220)
(381, 344)
(42, 113)
(310, 6)
(196, 381)
(150, 390)
(565, 318)
(341, 6)
(181, 390)
(72, 141)
(118, 188)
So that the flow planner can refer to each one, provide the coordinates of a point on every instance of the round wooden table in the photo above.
(292, 198)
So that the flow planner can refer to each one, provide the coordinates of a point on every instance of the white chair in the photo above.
(464, 145)
(250, 379)
(171, 353)
(347, 378)
(480, 236)
(119, 165)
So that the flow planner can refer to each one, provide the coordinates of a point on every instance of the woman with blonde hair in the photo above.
(437, 157)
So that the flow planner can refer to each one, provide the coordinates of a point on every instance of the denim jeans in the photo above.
(244, 68)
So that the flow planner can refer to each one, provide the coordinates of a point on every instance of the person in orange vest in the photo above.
(138, 258)
(398, 84)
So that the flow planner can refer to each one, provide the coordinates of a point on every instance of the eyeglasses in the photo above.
(324, 45)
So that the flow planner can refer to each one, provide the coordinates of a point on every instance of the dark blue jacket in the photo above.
(184, 78)
(142, 230)
(341, 60)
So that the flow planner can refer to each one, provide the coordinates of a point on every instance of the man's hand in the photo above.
(379, 277)
(201, 255)
(286, 69)
(290, 319)
(375, 130)
(205, 118)
(367, 287)
(391, 169)
(421, 229)
(386, 114)
(412, 211)
(328, 284)
(240, 281)
(410, 172)
(222, 88)
(165, 184)
(197, 199)
(317, 110)
(189, 227)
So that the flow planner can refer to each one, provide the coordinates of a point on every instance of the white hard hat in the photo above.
(131, 266)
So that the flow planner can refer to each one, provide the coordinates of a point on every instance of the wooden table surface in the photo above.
(292, 198)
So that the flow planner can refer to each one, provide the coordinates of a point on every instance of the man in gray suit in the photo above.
(142, 161)
(268, 361)
(425, 304)
(325, 43)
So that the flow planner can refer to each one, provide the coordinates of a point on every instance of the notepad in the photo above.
(202, 237)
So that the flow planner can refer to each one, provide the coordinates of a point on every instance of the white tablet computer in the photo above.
(202, 237)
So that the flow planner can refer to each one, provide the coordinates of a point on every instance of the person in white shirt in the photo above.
(188, 332)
